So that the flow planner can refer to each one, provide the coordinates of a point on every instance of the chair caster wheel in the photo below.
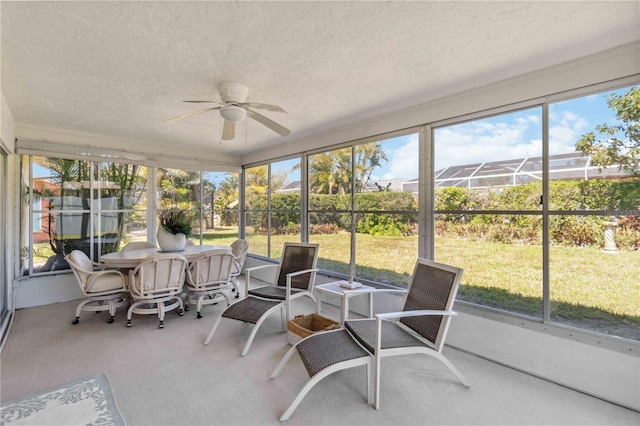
(161, 324)
(75, 321)
(110, 320)
(128, 323)
(186, 308)
(181, 312)
(237, 296)
(199, 315)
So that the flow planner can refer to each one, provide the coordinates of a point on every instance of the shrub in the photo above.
(576, 230)
(325, 228)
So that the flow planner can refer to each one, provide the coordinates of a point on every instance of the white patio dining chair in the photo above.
(135, 245)
(208, 279)
(104, 289)
(240, 249)
(156, 284)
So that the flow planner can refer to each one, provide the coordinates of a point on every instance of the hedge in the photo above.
(333, 210)
(330, 213)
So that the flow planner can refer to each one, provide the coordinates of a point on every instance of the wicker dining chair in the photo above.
(420, 327)
(294, 278)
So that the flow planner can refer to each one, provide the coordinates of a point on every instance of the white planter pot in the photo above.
(170, 242)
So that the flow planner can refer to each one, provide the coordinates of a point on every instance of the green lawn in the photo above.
(589, 287)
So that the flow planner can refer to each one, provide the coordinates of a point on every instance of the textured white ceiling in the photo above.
(122, 68)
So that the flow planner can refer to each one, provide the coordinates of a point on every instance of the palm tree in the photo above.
(368, 157)
(330, 172)
(321, 173)
(256, 184)
(227, 198)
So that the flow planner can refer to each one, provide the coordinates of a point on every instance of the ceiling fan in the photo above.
(233, 109)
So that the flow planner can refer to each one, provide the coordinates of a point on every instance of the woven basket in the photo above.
(306, 325)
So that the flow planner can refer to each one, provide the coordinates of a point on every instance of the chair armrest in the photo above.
(255, 268)
(359, 291)
(293, 274)
(419, 313)
(248, 275)
(96, 276)
(387, 315)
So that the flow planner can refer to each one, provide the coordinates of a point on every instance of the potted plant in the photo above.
(174, 228)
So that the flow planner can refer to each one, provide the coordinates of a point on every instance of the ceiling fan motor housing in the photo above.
(233, 92)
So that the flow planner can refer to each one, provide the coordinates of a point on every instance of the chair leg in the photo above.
(376, 377)
(366, 360)
(112, 310)
(161, 314)
(199, 305)
(226, 296)
(130, 313)
(213, 330)
(247, 345)
(451, 368)
(235, 283)
(321, 375)
(370, 382)
(78, 310)
(284, 361)
(256, 327)
(303, 392)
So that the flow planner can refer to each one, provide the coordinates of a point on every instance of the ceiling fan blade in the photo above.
(204, 102)
(228, 130)
(267, 107)
(282, 131)
(189, 114)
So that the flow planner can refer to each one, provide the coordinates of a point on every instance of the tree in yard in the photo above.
(331, 172)
(368, 157)
(617, 144)
(227, 198)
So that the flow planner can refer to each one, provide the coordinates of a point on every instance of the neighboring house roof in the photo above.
(291, 187)
(520, 171)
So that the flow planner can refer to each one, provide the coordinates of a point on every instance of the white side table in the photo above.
(344, 294)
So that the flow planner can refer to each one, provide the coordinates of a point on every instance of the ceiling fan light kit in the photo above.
(233, 109)
(233, 113)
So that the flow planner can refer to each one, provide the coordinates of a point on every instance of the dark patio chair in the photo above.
(420, 327)
(294, 279)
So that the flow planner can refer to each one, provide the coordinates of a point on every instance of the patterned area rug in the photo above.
(83, 402)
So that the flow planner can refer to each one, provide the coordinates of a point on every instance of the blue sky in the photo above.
(504, 137)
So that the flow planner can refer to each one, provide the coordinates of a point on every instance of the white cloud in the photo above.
(565, 128)
(484, 141)
(403, 161)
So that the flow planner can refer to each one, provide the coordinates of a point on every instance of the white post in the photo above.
(610, 233)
